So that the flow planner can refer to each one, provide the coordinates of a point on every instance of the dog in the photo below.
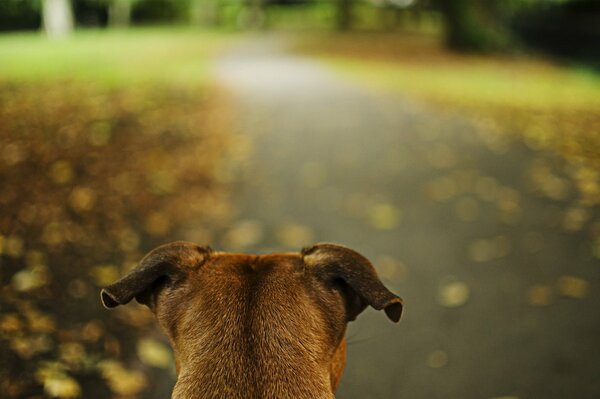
(255, 326)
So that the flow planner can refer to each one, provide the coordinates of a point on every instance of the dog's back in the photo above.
(259, 320)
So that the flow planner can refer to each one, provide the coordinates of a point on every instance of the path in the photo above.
(449, 218)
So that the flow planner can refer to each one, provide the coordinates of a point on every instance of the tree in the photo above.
(205, 12)
(344, 15)
(119, 13)
(473, 25)
(254, 14)
(57, 18)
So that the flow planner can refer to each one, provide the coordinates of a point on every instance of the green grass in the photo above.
(319, 16)
(522, 86)
(549, 106)
(421, 68)
(159, 55)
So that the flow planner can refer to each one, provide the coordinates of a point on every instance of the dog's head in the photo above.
(213, 302)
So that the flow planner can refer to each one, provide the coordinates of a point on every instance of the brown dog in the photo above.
(248, 326)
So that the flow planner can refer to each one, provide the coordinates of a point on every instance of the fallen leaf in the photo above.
(453, 294)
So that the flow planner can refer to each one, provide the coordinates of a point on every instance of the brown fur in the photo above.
(248, 326)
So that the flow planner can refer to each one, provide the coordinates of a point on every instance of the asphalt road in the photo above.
(501, 291)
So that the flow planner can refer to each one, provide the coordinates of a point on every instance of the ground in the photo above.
(479, 208)
(496, 266)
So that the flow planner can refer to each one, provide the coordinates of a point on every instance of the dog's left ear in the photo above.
(167, 262)
(338, 264)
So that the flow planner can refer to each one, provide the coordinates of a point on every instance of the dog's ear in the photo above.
(168, 261)
(336, 264)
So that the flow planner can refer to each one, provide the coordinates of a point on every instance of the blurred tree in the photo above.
(253, 15)
(57, 17)
(119, 13)
(92, 13)
(205, 12)
(159, 11)
(473, 25)
(569, 29)
(400, 13)
(344, 15)
(19, 15)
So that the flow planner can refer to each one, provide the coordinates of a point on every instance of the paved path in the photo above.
(448, 215)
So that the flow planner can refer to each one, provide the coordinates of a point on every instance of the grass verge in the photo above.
(176, 57)
(548, 106)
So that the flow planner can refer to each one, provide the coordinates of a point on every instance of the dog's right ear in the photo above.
(167, 261)
(336, 263)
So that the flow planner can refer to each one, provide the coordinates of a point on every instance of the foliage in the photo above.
(93, 176)
(19, 14)
(158, 11)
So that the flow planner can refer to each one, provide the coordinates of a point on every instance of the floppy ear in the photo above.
(166, 261)
(334, 262)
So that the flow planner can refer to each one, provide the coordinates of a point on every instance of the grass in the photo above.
(419, 66)
(549, 106)
(114, 58)
(493, 83)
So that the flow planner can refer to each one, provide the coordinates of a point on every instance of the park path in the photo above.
(446, 212)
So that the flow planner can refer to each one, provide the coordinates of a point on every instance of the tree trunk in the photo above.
(344, 15)
(119, 13)
(386, 16)
(205, 12)
(57, 18)
(465, 28)
(196, 12)
(254, 15)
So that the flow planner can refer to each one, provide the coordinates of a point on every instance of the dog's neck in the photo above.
(275, 369)
(267, 353)
(211, 382)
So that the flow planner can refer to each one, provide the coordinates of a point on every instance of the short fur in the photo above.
(249, 326)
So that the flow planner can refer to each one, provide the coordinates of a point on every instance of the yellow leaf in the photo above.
(61, 172)
(539, 295)
(295, 235)
(154, 353)
(437, 359)
(573, 287)
(82, 199)
(62, 387)
(384, 216)
(30, 279)
(104, 274)
(244, 234)
(13, 246)
(454, 294)
(120, 380)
